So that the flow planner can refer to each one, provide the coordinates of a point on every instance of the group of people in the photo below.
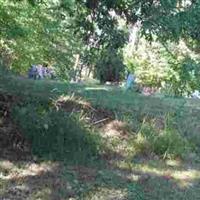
(41, 72)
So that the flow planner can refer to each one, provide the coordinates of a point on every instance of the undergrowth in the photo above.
(57, 135)
(166, 142)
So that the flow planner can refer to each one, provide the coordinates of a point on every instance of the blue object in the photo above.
(130, 81)
(40, 72)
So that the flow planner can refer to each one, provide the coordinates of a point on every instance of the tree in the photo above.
(98, 22)
(109, 66)
(32, 32)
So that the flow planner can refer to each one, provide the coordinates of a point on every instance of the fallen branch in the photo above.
(100, 121)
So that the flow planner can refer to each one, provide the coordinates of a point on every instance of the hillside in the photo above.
(62, 141)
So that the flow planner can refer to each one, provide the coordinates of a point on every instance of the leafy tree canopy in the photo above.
(33, 31)
(36, 32)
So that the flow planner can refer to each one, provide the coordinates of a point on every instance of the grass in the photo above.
(104, 96)
(149, 179)
(70, 147)
(125, 105)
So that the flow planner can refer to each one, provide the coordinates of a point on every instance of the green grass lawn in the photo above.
(105, 96)
(118, 173)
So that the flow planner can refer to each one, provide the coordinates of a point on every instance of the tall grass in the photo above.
(56, 135)
(165, 142)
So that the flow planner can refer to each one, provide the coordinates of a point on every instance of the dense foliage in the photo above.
(104, 26)
(74, 35)
(33, 34)
(109, 66)
(173, 66)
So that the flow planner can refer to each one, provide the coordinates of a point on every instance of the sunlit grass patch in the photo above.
(105, 193)
(180, 174)
(24, 180)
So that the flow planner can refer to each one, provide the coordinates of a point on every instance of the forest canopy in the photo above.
(95, 36)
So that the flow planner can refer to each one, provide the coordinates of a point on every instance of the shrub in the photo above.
(184, 78)
(170, 144)
(167, 143)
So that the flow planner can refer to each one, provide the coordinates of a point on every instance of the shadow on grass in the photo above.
(50, 180)
(56, 135)
(28, 180)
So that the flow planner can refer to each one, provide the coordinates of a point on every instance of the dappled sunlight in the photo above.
(99, 100)
(186, 178)
(22, 180)
(117, 129)
(17, 170)
(183, 177)
(173, 163)
(44, 193)
(7, 165)
(141, 168)
(104, 193)
(34, 169)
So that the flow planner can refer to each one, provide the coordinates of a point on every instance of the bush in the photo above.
(56, 135)
(170, 144)
(167, 143)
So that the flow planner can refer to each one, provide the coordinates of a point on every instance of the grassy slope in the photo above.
(104, 96)
(123, 178)
(185, 111)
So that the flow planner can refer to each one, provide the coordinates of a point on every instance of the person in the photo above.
(40, 72)
(130, 81)
(52, 72)
(32, 73)
(196, 94)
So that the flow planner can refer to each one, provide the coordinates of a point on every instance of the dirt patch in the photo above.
(93, 116)
(116, 128)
